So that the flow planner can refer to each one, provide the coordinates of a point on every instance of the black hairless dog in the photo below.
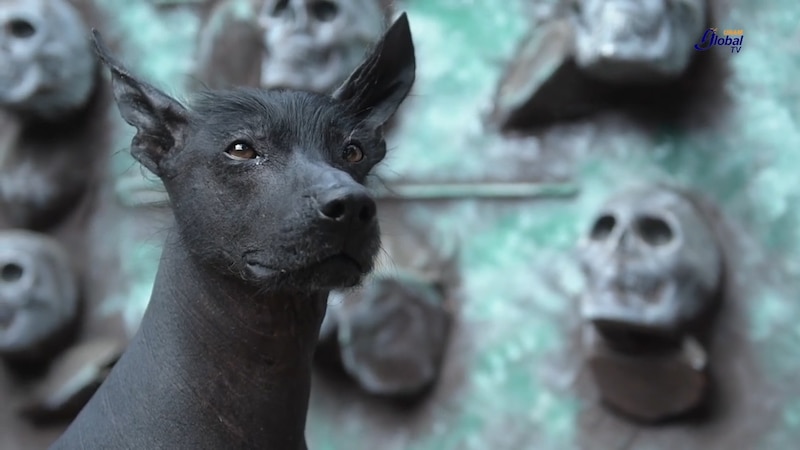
(271, 212)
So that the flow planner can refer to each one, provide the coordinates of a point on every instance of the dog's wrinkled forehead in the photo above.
(279, 115)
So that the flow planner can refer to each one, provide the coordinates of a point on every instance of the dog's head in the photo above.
(268, 185)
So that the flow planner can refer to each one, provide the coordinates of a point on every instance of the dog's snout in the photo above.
(348, 205)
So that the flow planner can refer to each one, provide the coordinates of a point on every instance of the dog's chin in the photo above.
(335, 272)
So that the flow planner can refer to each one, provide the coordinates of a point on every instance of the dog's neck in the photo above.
(233, 321)
(245, 357)
(213, 365)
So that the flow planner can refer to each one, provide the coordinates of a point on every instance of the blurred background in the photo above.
(498, 169)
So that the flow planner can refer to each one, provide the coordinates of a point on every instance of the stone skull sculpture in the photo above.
(46, 63)
(652, 262)
(636, 41)
(654, 268)
(39, 295)
(394, 338)
(315, 44)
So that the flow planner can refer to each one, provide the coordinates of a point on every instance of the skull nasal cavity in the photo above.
(603, 226)
(20, 28)
(10, 272)
(348, 207)
(654, 231)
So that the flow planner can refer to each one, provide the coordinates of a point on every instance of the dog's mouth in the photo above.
(340, 259)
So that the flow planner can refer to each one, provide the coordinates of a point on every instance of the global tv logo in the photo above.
(732, 39)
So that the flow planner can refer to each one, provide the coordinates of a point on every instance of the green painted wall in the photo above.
(520, 279)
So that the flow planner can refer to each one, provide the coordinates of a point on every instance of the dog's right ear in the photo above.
(160, 120)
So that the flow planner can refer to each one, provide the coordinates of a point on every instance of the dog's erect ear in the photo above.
(380, 84)
(159, 119)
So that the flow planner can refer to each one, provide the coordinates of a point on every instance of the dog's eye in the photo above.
(353, 153)
(241, 151)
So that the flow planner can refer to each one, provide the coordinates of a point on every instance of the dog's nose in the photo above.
(348, 206)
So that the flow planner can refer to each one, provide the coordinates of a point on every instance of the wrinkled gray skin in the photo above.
(38, 291)
(46, 63)
(638, 41)
(393, 340)
(315, 44)
(652, 262)
(271, 213)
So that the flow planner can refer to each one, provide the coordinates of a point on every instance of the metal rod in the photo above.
(444, 191)
(176, 2)
(137, 194)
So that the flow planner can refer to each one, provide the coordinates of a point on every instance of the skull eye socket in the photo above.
(654, 231)
(280, 6)
(324, 10)
(10, 272)
(20, 28)
(603, 227)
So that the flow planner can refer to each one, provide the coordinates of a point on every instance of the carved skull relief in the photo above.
(654, 270)
(652, 261)
(393, 340)
(46, 64)
(315, 44)
(636, 40)
(38, 292)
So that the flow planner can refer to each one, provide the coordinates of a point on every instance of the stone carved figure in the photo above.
(71, 381)
(44, 49)
(636, 41)
(301, 44)
(39, 298)
(391, 335)
(588, 55)
(54, 157)
(393, 340)
(314, 44)
(654, 271)
(47, 73)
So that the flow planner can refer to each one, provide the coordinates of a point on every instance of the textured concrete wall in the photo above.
(510, 380)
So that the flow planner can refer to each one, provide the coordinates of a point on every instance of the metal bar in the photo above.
(445, 191)
(177, 2)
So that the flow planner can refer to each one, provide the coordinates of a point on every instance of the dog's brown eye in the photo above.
(353, 153)
(241, 151)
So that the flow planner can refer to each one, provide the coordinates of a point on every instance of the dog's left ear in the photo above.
(379, 85)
